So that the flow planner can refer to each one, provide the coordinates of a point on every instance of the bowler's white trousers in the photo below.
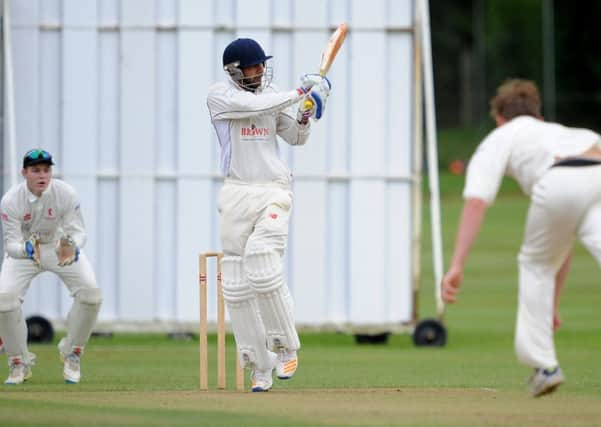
(565, 204)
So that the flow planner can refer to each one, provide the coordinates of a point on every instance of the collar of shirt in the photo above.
(32, 198)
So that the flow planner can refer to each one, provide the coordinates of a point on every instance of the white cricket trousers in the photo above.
(246, 220)
(565, 205)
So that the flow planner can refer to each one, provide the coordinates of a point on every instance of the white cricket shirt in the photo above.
(523, 148)
(247, 124)
(54, 213)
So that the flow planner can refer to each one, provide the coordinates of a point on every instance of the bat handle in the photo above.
(308, 104)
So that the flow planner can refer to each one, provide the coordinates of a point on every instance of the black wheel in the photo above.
(430, 333)
(39, 330)
(372, 338)
(181, 336)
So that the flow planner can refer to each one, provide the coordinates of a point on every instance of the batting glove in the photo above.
(308, 81)
(318, 96)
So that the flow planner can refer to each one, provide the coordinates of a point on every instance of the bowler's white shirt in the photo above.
(523, 148)
(54, 213)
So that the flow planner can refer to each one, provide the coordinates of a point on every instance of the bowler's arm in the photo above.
(472, 217)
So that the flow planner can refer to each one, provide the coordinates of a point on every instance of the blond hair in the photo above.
(516, 97)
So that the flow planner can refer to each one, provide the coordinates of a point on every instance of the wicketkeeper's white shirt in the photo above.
(54, 213)
(247, 124)
(523, 148)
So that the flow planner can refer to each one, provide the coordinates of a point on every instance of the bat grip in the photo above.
(307, 104)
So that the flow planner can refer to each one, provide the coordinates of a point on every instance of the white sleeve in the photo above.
(290, 130)
(487, 167)
(228, 103)
(73, 220)
(11, 228)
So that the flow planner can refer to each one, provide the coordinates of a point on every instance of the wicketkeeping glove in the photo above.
(32, 248)
(67, 251)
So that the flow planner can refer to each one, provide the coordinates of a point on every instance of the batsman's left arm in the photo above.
(290, 130)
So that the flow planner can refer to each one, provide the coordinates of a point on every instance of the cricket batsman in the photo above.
(559, 168)
(255, 203)
(43, 230)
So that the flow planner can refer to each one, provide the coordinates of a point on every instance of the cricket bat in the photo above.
(329, 54)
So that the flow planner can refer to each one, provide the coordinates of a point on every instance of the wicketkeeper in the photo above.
(255, 203)
(559, 168)
(44, 231)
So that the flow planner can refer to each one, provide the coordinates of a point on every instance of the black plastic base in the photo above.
(381, 338)
(430, 333)
(39, 330)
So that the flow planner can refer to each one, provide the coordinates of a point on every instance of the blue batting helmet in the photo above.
(245, 51)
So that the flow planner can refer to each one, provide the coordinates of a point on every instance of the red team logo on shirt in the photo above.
(4, 216)
(50, 212)
(27, 217)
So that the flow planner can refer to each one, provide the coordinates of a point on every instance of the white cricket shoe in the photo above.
(71, 362)
(545, 381)
(262, 379)
(286, 364)
(19, 370)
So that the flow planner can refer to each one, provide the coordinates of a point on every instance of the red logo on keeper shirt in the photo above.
(27, 217)
(273, 215)
(50, 212)
(4, 216)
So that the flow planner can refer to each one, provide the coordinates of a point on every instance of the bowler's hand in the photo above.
(556, 320)
(451, 283)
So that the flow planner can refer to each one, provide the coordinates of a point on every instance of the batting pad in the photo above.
(13, 328)
(264, 270)
(244, 314)
(82, 317)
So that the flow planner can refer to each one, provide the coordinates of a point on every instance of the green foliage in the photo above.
(477, 44)
(513, 41)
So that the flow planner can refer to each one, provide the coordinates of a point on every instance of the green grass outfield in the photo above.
(147, 380)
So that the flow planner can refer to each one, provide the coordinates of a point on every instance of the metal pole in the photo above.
(10, 133)
(432, 154)
(418, 144)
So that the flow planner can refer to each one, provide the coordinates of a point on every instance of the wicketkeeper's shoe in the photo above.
(286, 365)
(19, 370)
(262, 379)
(71, 362)
(545, 381)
